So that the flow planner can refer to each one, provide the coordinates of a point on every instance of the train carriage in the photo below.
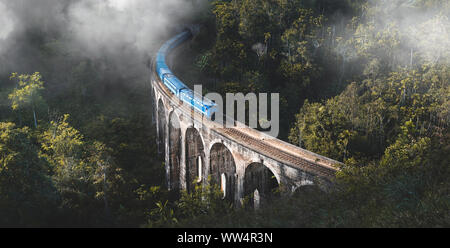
(178, 88)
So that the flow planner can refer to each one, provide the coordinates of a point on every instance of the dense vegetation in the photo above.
(358, 81)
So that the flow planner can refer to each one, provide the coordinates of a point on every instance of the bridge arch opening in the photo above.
(161, 128)
(174, 152)
(260, 184)
(200, 169)
(223, 170)
(223, 185)
(307, 189)
(195, 157)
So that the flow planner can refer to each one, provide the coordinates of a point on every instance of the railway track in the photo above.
(276, 153)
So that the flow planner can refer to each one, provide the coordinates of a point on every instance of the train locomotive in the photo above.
(178, 88)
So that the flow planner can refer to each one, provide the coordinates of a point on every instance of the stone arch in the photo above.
(306, 189)
(161, 127)
(175, 139)
(259, 184)
(195, 158)
(223, 167)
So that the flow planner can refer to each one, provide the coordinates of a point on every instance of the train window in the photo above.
(169, 83)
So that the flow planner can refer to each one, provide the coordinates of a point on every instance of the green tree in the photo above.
(27, 194)
(27, 93)
(84, 171)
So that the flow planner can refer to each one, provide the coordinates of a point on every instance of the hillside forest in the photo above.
(364, 82)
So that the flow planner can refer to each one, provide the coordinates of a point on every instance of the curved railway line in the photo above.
(290, 164)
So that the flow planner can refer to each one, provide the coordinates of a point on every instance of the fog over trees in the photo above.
(364, 82)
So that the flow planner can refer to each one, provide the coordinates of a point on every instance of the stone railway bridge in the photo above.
(243, 161)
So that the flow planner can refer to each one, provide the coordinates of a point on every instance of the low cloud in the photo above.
(117, 29)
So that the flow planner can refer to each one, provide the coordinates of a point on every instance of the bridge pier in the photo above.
(183, 181)
(240, 174)
(194, 159)
(167, 154)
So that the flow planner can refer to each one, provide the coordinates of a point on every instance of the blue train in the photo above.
(198, 102)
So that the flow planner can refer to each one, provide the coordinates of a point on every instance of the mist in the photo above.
(6, 24)
(125, 32)
(400, 33)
